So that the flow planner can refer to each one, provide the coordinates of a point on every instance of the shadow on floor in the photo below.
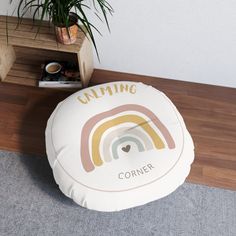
(32, 141)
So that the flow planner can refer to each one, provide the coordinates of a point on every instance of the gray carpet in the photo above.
(31, 204)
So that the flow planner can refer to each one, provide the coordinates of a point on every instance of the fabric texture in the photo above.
(32, 204)
(118, 145)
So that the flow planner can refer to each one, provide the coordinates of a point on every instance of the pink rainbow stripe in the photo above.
(84, 150)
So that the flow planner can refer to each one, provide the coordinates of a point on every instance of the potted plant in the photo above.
(67, 16)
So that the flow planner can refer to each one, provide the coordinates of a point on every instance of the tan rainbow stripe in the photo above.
(86, 159)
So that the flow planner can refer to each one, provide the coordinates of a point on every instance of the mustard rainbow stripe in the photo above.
(86, 159)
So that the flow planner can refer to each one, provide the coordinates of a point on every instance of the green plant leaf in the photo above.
(58, 12)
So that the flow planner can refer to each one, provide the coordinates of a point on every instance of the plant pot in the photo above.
(67, 36)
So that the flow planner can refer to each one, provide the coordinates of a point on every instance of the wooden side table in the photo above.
(23, 50)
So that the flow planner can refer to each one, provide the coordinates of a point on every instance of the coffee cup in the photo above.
(53, 68)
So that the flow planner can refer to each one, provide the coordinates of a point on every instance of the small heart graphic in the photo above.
(126, 149)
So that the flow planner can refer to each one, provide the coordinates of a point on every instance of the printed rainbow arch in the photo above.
(120, 133)
(144, 138)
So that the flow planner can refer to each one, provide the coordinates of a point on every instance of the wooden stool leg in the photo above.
(7, 59)
(85, 59)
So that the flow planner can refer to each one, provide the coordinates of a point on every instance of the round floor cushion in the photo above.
(118, 145)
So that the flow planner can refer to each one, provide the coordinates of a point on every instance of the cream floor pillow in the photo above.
(118, 145)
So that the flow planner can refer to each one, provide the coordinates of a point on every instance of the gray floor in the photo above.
(31, 204)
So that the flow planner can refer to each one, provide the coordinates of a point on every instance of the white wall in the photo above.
(192, 40)
(6, 7)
